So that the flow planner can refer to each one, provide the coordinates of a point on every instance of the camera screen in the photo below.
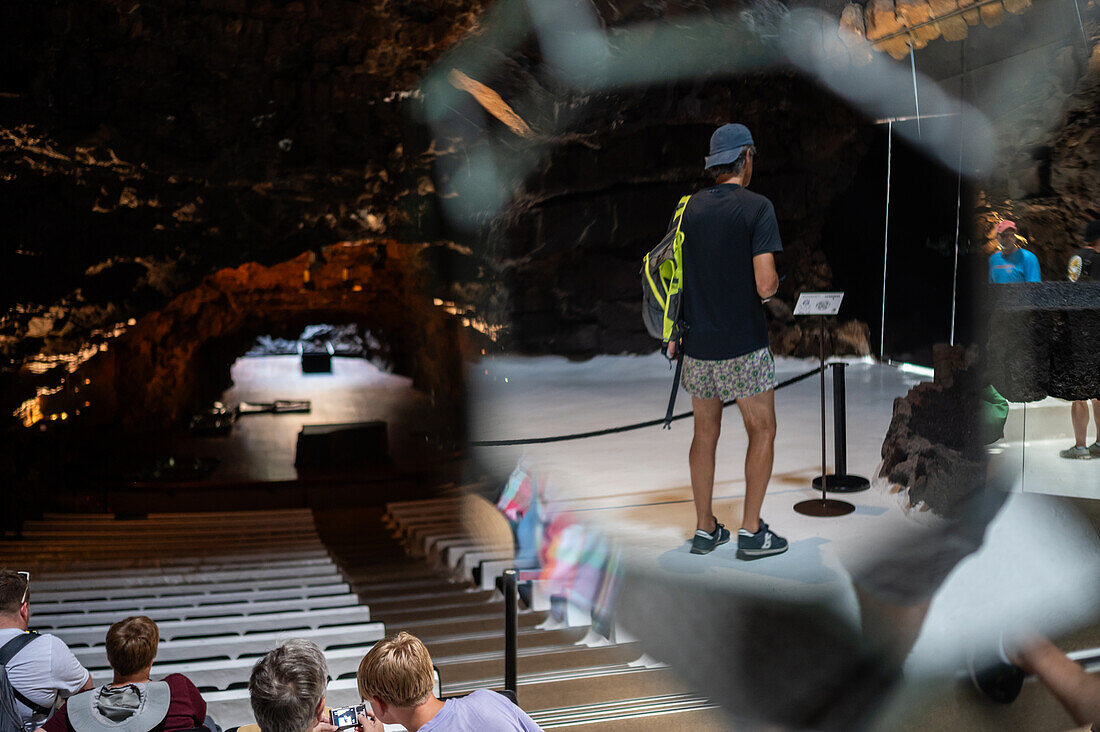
(347, 716)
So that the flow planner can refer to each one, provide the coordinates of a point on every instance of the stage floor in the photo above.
(1039, 567)
(262, 447)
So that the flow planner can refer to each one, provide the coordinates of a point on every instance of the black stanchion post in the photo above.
(821, 348)
(841, 482)
(825, 507)
(821, 304)
(840, 438)
(511, 623)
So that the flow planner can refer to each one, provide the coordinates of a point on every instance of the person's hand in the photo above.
(671, 349)
(369, 723)
(324, 727)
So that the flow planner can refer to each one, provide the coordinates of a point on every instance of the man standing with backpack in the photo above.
(730, 239)
(38, 671)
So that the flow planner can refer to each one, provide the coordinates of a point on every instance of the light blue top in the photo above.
(1021, 266)
(482, 711)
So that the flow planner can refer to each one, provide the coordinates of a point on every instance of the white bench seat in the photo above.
(95, 635)
(171, 579)
(188, 588)
(45, 622)
(242, 646)
(199, 599)
(197, 564)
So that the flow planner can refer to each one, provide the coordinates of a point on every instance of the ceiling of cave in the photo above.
(144, 146)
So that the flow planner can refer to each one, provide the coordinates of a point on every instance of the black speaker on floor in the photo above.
(316, 360)
(327, 447)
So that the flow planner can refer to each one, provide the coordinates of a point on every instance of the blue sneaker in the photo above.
(1076, 453)
(763, 543)
(704, 543)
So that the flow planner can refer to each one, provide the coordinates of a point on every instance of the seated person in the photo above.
(131, 701)
(41, 669)
(287, 690)
(395, 677)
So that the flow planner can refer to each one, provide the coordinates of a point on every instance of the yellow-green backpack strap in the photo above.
(678, 273)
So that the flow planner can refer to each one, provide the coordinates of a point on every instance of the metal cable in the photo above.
(625, 428)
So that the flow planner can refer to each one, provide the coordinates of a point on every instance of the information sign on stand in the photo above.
(818, 303)
(821, 304)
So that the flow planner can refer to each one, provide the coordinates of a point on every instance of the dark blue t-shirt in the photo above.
(724, 227)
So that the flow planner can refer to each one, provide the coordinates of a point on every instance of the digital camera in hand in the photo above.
(346, 717)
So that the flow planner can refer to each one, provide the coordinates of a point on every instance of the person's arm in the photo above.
(1078, 692)
(69, 676)
(765, 244)
(186, 699)
(58, 722)
(1033, 273)
(369, 723)
(767, 279)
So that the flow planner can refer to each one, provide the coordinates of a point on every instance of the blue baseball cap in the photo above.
(726, 144)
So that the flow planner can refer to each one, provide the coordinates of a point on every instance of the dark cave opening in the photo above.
(920, 263)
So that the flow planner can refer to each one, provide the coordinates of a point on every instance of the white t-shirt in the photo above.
(44, 671)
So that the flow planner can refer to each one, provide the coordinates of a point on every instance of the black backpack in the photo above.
(10, 720)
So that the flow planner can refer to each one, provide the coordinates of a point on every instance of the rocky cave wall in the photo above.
(1049, 176)
(145, 146)
(177, 358)
(570, 244)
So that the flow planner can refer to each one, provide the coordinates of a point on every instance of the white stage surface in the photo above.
(1039, 567)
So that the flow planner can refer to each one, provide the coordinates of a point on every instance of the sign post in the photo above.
(821, 304)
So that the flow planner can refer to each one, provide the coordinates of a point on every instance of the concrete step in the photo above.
(218, 630)
(244, 646)
(48, 621)
(577, 657)
(592, 690)
(138, 604)
(198, 588)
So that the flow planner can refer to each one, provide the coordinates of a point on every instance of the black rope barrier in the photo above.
(625, 428)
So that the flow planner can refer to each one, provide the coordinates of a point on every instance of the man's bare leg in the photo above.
(1096, 417)
(1079, 414)
(758, 412)
(704, 443)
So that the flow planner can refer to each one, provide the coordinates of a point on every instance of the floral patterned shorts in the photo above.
(731, 378)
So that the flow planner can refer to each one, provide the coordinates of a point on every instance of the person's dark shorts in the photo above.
(730, 378)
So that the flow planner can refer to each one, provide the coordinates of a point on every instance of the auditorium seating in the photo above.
(223, 587)
(226, 587)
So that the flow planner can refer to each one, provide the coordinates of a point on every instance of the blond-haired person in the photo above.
(396, 678)
(132, 702)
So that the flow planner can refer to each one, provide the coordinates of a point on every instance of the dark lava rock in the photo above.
(933, 447)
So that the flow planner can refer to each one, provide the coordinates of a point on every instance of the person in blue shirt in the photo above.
(1012, 263)
(396, 679)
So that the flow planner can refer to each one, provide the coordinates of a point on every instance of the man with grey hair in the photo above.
(287, 689)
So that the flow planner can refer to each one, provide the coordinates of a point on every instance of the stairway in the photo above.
(567, 678)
